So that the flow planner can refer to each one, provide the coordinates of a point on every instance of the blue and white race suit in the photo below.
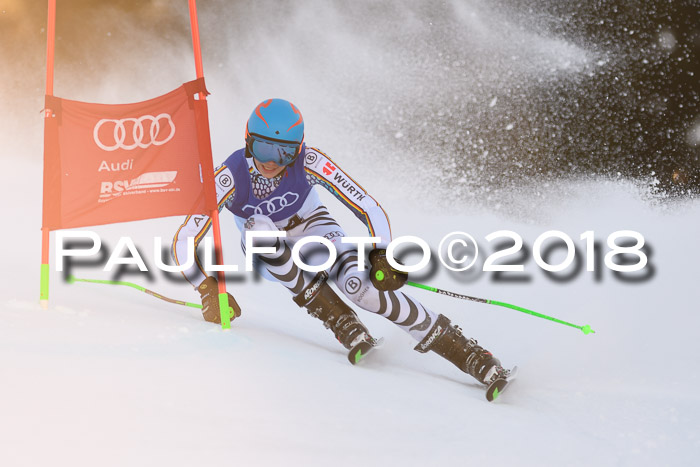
(288, 201)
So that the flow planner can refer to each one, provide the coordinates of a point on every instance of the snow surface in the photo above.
(110, 376)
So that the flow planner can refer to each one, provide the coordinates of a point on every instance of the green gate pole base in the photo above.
(225, 311)
(44, 287)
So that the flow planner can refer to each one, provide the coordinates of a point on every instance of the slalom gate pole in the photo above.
(586, 329)
(73, 279)
(45, 232)
(224, 307)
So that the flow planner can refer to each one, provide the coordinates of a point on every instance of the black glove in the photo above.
(382, 275)
(209, 290)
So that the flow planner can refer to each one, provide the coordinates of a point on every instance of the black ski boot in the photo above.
(323, 303)
(446, 340)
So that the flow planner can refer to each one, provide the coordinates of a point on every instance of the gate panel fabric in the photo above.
(116, 163)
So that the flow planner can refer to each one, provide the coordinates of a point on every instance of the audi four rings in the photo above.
(273, 205)
(141, 138)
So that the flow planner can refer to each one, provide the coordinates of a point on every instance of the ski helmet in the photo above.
(275, 132)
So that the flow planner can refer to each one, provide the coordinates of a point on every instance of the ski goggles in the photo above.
(264, 150)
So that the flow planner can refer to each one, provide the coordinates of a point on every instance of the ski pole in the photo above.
(585, 329)
(73, 279)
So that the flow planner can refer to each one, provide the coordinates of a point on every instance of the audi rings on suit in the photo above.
(140, 138)
(270, 206)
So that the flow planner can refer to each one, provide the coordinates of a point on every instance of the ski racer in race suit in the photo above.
(269, 185)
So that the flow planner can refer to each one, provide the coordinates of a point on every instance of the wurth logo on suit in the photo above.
(348, 187)
(328, 168)
(344, 186)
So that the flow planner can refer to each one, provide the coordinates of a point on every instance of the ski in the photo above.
(497, 386)
(360, 351)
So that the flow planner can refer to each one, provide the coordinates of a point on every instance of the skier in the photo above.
(268, 185)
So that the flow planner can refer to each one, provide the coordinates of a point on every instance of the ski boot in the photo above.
(323, 303)
(446, 340)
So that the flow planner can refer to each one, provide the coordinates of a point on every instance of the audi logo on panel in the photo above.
(273, 205)
(132, 133)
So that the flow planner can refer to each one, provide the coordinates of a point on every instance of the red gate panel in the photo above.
(126, 162)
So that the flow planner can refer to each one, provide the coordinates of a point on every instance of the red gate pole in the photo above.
(223, 297)
(45, 237)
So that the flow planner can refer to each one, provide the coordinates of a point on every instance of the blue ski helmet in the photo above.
(275, 132)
